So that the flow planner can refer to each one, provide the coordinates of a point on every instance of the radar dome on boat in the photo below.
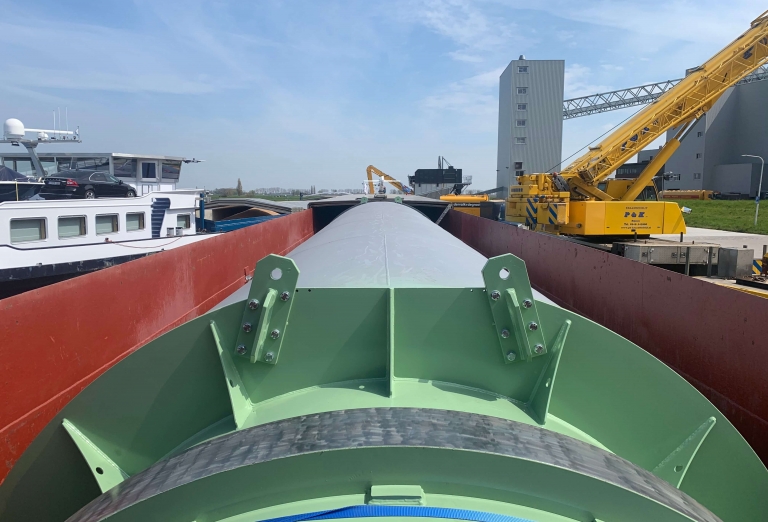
(13, 129)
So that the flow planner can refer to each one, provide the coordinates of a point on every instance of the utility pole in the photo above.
(759, 183)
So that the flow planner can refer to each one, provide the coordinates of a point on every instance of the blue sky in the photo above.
(294, 93)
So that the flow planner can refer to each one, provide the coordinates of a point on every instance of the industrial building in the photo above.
(530, 119)
(710, 157)
(437, 182)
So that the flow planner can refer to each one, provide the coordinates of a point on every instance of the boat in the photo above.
(15, 186)
(45, 241)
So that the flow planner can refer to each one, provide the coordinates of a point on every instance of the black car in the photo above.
(88, 184)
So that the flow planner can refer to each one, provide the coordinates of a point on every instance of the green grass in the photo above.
(736, 216)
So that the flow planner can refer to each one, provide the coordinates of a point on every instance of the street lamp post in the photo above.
(759, 183)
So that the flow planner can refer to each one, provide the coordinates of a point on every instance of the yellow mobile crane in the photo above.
(581, 201)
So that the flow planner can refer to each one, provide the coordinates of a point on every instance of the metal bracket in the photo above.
(242, 407)
(538, 404)
(410, 495)
(105, 471)
(267, 309)
(675, 466)
(514, 309)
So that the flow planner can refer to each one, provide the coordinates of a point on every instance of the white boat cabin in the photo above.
(145, 173)
(42, 224)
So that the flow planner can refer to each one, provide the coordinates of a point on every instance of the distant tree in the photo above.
(239, 188)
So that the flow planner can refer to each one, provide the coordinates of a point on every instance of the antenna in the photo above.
(59, 117)
(66, 115)
(54, 121)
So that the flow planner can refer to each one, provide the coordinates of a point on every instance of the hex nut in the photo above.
(253, 304)
(495, 295)
(505, 333)
(274, 334)
(511, 356)
(533, 326)
(247, 327)
(241, 349)
(269, 356)
(527, 303)
(538, 349)
(285, 296)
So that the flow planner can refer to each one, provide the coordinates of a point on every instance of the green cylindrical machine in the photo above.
(384, 369)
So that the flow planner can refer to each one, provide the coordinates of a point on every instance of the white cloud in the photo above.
(467, 24)
(577, 82)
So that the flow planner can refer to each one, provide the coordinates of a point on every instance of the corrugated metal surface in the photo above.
(543, 129)
(57, 339)
(712, 336)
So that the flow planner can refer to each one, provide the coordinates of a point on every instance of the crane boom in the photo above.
(686, 101)
(371, 170)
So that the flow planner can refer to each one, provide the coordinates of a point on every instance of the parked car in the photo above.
(87, 184)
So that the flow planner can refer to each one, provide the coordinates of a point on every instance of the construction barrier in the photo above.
(714, 337)
(56, 340)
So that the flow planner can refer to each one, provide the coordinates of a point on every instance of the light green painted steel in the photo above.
(675, 466)
(105, 471)
(354, 348)
(517, 322)
(265, 322)
(242, 408)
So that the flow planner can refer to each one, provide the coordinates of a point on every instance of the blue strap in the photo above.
(400, 511)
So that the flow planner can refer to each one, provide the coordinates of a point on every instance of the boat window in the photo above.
(134, 221)
(124, 167)
(148, 170)
(71, 226)
(63, 164)
(106, 224)
(49, 166)
(98, 176)
(182, 220)
(101, 164)
(171, 169)
(25, 168)
(23, 230)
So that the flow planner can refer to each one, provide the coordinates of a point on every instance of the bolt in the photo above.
(495, 295)
(275, 333)
(269, 356)
(505, 333)
(253, 304)
(246, 327)
(240, 349)
(533, 326)
(285, 296)
(527, 303)
(539, 349)
(511, 356)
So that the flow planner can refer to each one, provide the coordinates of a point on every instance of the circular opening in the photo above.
(231, 384)
(504, 273)
(99, 471)
(276, 274)
(678, 469)
(309, 290)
